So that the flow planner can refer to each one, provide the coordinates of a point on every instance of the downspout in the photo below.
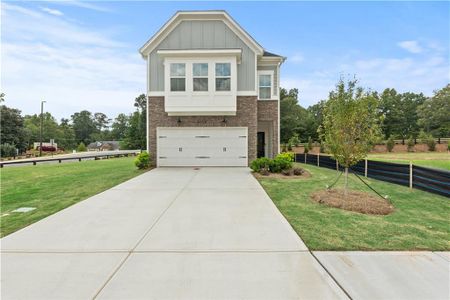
(147, 117)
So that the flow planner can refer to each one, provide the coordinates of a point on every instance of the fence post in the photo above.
(318, 159)
(410, 175)
(337, 165)
(305, 157)
(365, 168)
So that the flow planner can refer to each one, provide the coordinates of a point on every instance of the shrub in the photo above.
(306, 148)
(431, 144)
(7, 150)
(142, 161)
(428, 140)
(287, 155)
(390, 144)
(294, 140)
(410, 144)
(298, 171)
(281, 162)
(310, 144)
(81, 147)
(289, 146)
(262, 163)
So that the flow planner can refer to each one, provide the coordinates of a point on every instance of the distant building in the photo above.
(103, 146)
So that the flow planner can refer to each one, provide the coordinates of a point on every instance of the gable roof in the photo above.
(180, 16)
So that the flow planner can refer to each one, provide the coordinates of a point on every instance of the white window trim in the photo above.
(271, 73)
(178, 77)
(207, 77)
(211, 75)
(215, 77)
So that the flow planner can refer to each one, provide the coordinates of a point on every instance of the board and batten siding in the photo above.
(273, 68)
(209, 34)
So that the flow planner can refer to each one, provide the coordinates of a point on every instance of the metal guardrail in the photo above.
(95, 156)
(428, 179)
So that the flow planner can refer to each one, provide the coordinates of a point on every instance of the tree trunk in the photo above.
(346, 182)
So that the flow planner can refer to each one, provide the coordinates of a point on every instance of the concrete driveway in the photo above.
(172, 233)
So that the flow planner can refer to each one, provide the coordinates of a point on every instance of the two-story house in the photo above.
(212, 92)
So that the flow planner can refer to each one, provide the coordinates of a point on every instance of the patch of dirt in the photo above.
(355, 201)
(305, 175)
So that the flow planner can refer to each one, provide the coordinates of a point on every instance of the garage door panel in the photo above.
(201, 146)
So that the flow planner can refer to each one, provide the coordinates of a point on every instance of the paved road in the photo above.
(70, 157)
(172, 233)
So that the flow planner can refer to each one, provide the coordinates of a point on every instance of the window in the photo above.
(223, 77)
(200, 77)
(265, 86)
(177, 77)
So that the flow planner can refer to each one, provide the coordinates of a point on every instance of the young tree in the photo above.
(350, 124)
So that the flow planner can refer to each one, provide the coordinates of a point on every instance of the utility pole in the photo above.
(42, 121)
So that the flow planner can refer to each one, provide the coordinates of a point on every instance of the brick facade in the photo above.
(246, 116)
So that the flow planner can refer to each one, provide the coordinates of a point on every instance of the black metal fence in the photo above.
(427, 179)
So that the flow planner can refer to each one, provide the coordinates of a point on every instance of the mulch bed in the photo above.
(305, 174)
(355, 201)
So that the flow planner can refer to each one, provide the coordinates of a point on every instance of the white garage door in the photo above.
(202, 146)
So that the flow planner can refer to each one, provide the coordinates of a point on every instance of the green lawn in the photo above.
(440, 160)
(53, 187)
(420, 221)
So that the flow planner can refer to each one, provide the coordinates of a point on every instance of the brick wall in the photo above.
(246, 116)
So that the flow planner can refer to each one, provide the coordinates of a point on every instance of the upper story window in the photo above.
(177, 77)
(265, 85)
(200, 77)
(223, 77)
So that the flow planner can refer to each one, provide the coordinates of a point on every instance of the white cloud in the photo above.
(296, 58)
(418, 74)
(71, 67)
(82, 4)
(411, 46)
(54, 12)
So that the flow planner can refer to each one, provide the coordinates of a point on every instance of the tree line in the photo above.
(20, 132)
(403, 115)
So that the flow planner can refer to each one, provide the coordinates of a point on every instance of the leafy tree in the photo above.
(119, 127)
(399, 113)
(84, 126)
(67, 139)
(434, 113)
(101, 121)
(50, 128)
(350, 124)
(136, 133)
(12, 128)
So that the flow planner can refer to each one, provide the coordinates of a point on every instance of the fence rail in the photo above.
(86, 156)
(427, 179)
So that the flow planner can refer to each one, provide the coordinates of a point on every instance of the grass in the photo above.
(440, 160)
(420, 220)
(52, 187)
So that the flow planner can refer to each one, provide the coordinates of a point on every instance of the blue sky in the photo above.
(83, 55)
